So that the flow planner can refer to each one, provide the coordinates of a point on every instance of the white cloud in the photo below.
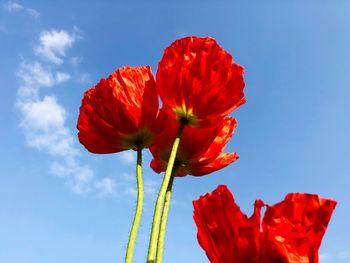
(34, 76)
(79, 177)
(44, 124)
(127, 157)
(60, 170)
(43, 118)
(45, 115)
(54, 44)
(32, 12)
(105, 186)
(82, 179)
(62, 77)
(13, 6)
(43, 121)
(75, 61)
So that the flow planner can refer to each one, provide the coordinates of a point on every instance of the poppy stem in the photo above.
(161, 195)
(138, 212)
(163, 222)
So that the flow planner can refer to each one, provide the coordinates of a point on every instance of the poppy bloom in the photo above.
(119, 113)
(198, 81)
(292, 230)
(200, 151)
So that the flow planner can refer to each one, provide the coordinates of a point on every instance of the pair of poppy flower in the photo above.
(290, 232)
(198, 84)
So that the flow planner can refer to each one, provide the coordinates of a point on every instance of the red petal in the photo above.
(199, 74)
(293, 229)
(222, 160)
(118, 108)
(194, 141)
(158, 166)
(224, 232)
(217, 146)
(200, 149)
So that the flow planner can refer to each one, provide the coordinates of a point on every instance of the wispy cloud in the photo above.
(12, 6)
(79, 177)
(75, 61)
(32, 12)
(34, 77)
(127, 157)
(62, 77)
(44, 119)
(106, 186)
(44, 124)
(54, 44)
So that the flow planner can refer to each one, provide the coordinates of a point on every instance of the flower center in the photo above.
(185, 115)
(141, 139)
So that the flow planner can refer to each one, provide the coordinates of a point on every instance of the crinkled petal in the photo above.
(293, 229)
(194, 141)
(196, 74)
(122, 107)
(201, 149)
(158, 166)
(222, 160)
(219, 143)
(224, 232)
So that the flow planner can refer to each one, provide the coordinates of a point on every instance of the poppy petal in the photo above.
(293, 229)
(223, 159)
(224, 232)
(119, 112)
(198, 79)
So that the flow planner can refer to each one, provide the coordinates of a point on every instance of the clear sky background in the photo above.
(59, 203)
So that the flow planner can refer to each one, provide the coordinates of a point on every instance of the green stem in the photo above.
(138, 212)
(160, 200)
(163, 222)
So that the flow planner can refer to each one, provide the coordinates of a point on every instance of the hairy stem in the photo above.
(161, 195)
(138, 212)
(163, 222)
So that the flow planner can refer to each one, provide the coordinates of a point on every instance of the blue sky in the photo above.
(59, 203)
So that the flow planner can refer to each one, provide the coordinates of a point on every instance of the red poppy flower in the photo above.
(292, 230)
(198, 81)
(200, 151)
(119, 113)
